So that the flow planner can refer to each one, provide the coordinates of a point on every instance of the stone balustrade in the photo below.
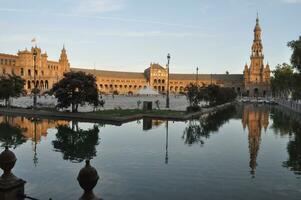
(293, 105)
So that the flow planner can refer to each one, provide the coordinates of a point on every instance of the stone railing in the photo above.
(293, 105)
(12, 187)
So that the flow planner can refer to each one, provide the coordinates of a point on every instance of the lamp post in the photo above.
(167, 92)
(197, 75)
(34, 78)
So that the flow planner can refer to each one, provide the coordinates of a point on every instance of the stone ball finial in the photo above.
(87, 179)
(7, 163)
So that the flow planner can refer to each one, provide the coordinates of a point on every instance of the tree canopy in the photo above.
(282, 80)
(212, 94)
(295, 45)
(10, 86)
(75, 89)
(216, 95)
(194, 96)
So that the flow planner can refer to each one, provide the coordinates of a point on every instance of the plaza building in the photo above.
(47, 72)
(255, 80)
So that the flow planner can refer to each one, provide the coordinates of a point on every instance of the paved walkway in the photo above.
(94, 117)
(177, 102)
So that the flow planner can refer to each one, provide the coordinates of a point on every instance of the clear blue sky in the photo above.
(215, 35)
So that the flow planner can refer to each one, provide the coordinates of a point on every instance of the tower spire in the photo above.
(257, 18)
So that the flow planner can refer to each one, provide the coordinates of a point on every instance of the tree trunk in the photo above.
(7, 102)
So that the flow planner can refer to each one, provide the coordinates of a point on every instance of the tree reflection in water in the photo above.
(76, 144)
(11, 136)
(284, 124)
(198, 130)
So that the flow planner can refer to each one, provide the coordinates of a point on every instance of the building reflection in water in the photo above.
(149, 124)
(254, 118)
(11, 136)
(17, 130)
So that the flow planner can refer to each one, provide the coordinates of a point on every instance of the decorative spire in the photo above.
(257, 27)
(257, 19)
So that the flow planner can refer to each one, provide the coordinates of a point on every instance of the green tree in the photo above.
(194, 96)
(75, 89)
(282, 80)
(295, 45)
(216, 95)
(11, 86)
(296, 86)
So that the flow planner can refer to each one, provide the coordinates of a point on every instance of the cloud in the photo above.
(15, 10)
(292, 1)
(95, 17)
(153, 34)
(99, 6)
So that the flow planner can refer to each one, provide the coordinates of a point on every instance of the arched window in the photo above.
(42, 84)
(28, 85)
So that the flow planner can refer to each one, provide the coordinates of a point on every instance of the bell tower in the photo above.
(257, 77)
(257, 56)
(64, 63)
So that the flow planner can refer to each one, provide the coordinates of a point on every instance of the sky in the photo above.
(127, 35)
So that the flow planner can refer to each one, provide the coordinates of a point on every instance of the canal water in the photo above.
(243, 152)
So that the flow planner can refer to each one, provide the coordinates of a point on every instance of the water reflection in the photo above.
(17, 130)
(76, 144)
(11, 136)
(286, 123)
(198, 130)
(149, 124)
(33, 131)
(254, 118)
(166, 143)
